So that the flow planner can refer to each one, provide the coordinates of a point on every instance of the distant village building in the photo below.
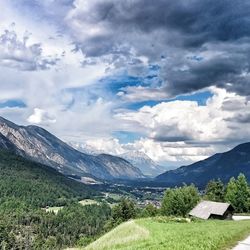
(212, 210)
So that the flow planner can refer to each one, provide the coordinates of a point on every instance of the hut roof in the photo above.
(207, 208)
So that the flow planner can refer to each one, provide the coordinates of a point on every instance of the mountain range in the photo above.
(137, 158)
(37, 144)
(221, 165)
(140, 160)
(144, 163)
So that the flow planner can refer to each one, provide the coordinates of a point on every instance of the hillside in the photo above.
(35, 183)
(39, 145)
(159, 234)
(223, 166)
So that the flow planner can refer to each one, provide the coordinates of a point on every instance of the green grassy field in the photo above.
(87, 202)
(153, 234)
(53, 209)
(82, 202)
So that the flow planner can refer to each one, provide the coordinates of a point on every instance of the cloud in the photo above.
(105, 145)
(141, 93)
(41, 116)
(202, 44)
(194, 21)
(16, 53)
(166, 49)
(173, 153)
(187, 121)
(169, 154)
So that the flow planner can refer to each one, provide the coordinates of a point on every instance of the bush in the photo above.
(179, 201)
(124, 211)
(149, 211)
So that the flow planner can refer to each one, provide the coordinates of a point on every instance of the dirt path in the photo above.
(243, 245)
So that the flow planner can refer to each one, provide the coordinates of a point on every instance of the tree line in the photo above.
(180, 200)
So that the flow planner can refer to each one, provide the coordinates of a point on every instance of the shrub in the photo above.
(179, 201)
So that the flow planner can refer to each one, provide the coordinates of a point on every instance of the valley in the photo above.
(55, 204)
(125, 125)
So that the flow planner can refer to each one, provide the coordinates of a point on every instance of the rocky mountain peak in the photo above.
(39, 145)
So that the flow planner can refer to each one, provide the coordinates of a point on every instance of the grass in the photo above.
(121, 235)
(82, 202)
(87, 202)
(158, 234)
(53, 209)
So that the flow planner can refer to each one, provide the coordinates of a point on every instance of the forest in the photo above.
(25, 188)
(37, 184)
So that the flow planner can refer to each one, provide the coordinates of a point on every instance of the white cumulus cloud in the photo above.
(41, 116)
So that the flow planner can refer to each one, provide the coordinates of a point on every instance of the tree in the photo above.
(149, 211)
(124, 211)
(231, 193)
(179, 201)
(215, 190)
(238, 194)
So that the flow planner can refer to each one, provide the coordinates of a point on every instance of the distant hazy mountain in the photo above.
(138, 159)
(86, 149)
(144, 163)
(223, 166)
(38, 144)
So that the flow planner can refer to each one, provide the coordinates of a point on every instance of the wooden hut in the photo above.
(212, 210)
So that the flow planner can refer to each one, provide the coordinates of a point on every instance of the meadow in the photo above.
(158, 233)
(82, 202)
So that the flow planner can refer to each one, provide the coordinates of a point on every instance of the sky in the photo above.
(167, 78)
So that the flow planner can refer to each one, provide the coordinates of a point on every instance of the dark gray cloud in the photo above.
(225, 68)
(240, 118)
(198, 21)
(234, 105)
(170, 133)
(203, 43)
(217, 33)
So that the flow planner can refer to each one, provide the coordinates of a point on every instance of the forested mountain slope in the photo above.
(36, 184)
(223, 166)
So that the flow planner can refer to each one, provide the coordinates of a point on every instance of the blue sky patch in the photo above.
(199, 97)
(13, 104)
(126, 136)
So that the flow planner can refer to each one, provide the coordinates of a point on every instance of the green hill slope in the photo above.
(157, 234)
(36, 184)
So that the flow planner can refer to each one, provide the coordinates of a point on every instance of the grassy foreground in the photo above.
(157, 234)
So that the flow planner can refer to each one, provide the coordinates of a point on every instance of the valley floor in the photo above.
(161, 234)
